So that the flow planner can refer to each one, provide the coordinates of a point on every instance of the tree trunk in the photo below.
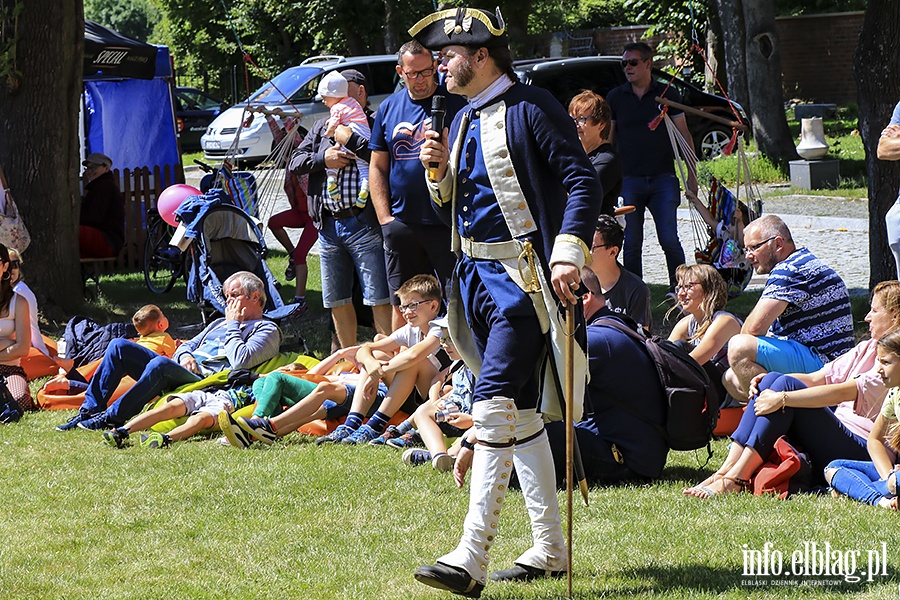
(763, 56)
(39, 147)
(731, 24)
(715, 53)
(878, 84)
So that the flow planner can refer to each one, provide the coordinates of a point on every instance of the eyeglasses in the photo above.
(580, 121)
(633, 62)
(91, 167)
(754, 247)
(686, 287)
(412, 306)
(423, 74)
(600, 246)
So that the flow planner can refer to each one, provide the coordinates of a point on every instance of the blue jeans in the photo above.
(346, 245)
(153, 375)
(661, 194)
(815, 431)
(860, 480)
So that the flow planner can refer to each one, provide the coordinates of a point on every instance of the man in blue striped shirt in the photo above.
(803, 317)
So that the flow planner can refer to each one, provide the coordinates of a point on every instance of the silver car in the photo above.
(293, 88)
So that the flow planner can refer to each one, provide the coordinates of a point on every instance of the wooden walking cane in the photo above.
(570, 435)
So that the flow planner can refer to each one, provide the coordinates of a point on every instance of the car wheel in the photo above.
(712, 142)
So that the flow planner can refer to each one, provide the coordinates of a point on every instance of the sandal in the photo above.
(708, 492)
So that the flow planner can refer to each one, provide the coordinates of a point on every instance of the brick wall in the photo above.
(817, 56)
(816, 53)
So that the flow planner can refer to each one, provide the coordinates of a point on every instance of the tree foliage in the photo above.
(136, 19)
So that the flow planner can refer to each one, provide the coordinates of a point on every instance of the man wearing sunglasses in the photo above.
(416, 242)
(647, 158)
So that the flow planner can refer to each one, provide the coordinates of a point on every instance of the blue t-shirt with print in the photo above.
(818, 314)
(399, 129)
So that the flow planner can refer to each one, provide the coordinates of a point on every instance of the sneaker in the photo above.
(337, 435)
(74, 421)
(116, 437)
(443, 462)
(407, 440)
(155, 440)
(389, 434)
(416, 457)
(363, 435)
(236, 436)
(259, 428)
(98, 422)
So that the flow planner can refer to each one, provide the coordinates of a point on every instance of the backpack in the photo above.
(692, 408)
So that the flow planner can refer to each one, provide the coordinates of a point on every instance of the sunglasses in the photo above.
(632, 62)
(13, 264)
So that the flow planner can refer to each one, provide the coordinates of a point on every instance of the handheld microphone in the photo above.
(437, 124)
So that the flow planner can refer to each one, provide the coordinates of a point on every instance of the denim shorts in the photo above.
(333, 410)
(348, 245)
(785, 356)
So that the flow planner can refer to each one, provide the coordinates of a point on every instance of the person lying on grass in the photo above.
(325, 392)
(202, 407)
(152, 327)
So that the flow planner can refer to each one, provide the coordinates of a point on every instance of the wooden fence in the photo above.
(141, 187)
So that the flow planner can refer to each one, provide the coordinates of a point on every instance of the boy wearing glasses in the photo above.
(415, 239)
(408, 358)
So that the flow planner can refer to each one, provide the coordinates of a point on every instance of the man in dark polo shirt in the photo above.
(647, 158)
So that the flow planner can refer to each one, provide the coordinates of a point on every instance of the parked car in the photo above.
(194, 111)
(294, 86)
(566, 77)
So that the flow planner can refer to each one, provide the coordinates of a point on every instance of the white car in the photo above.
(294, 86)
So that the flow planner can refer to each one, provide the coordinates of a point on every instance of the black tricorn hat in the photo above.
(461, 26)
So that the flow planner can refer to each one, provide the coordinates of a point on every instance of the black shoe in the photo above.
(452, 579)
(524, 573)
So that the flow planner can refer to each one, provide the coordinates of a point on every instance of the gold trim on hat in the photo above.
(451, 14)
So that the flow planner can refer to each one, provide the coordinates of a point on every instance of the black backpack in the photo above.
(692, 407)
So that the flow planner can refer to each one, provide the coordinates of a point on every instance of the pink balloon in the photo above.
(171, 198)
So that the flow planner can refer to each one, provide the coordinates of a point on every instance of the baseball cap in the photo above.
(354, 76)
(95, 158)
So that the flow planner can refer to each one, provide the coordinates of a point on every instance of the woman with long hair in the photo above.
(829, 414)
(15, 341)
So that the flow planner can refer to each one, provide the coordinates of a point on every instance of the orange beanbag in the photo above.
(37, 364)
(50, 398)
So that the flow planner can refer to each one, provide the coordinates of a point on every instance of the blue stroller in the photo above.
(223, 239)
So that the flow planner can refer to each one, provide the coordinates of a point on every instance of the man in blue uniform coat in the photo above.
(522, 199)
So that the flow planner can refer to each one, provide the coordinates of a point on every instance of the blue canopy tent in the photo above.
(128, 111)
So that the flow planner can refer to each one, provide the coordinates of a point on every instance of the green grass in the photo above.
(295, 520)
(300, 521)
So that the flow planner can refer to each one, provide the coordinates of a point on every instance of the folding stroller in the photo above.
(223, 239)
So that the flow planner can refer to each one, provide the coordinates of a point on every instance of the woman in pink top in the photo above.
(828, 413)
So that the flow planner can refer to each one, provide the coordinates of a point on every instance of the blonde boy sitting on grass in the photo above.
(151, 325)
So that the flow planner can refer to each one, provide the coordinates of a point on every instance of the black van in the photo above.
(566, 77)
